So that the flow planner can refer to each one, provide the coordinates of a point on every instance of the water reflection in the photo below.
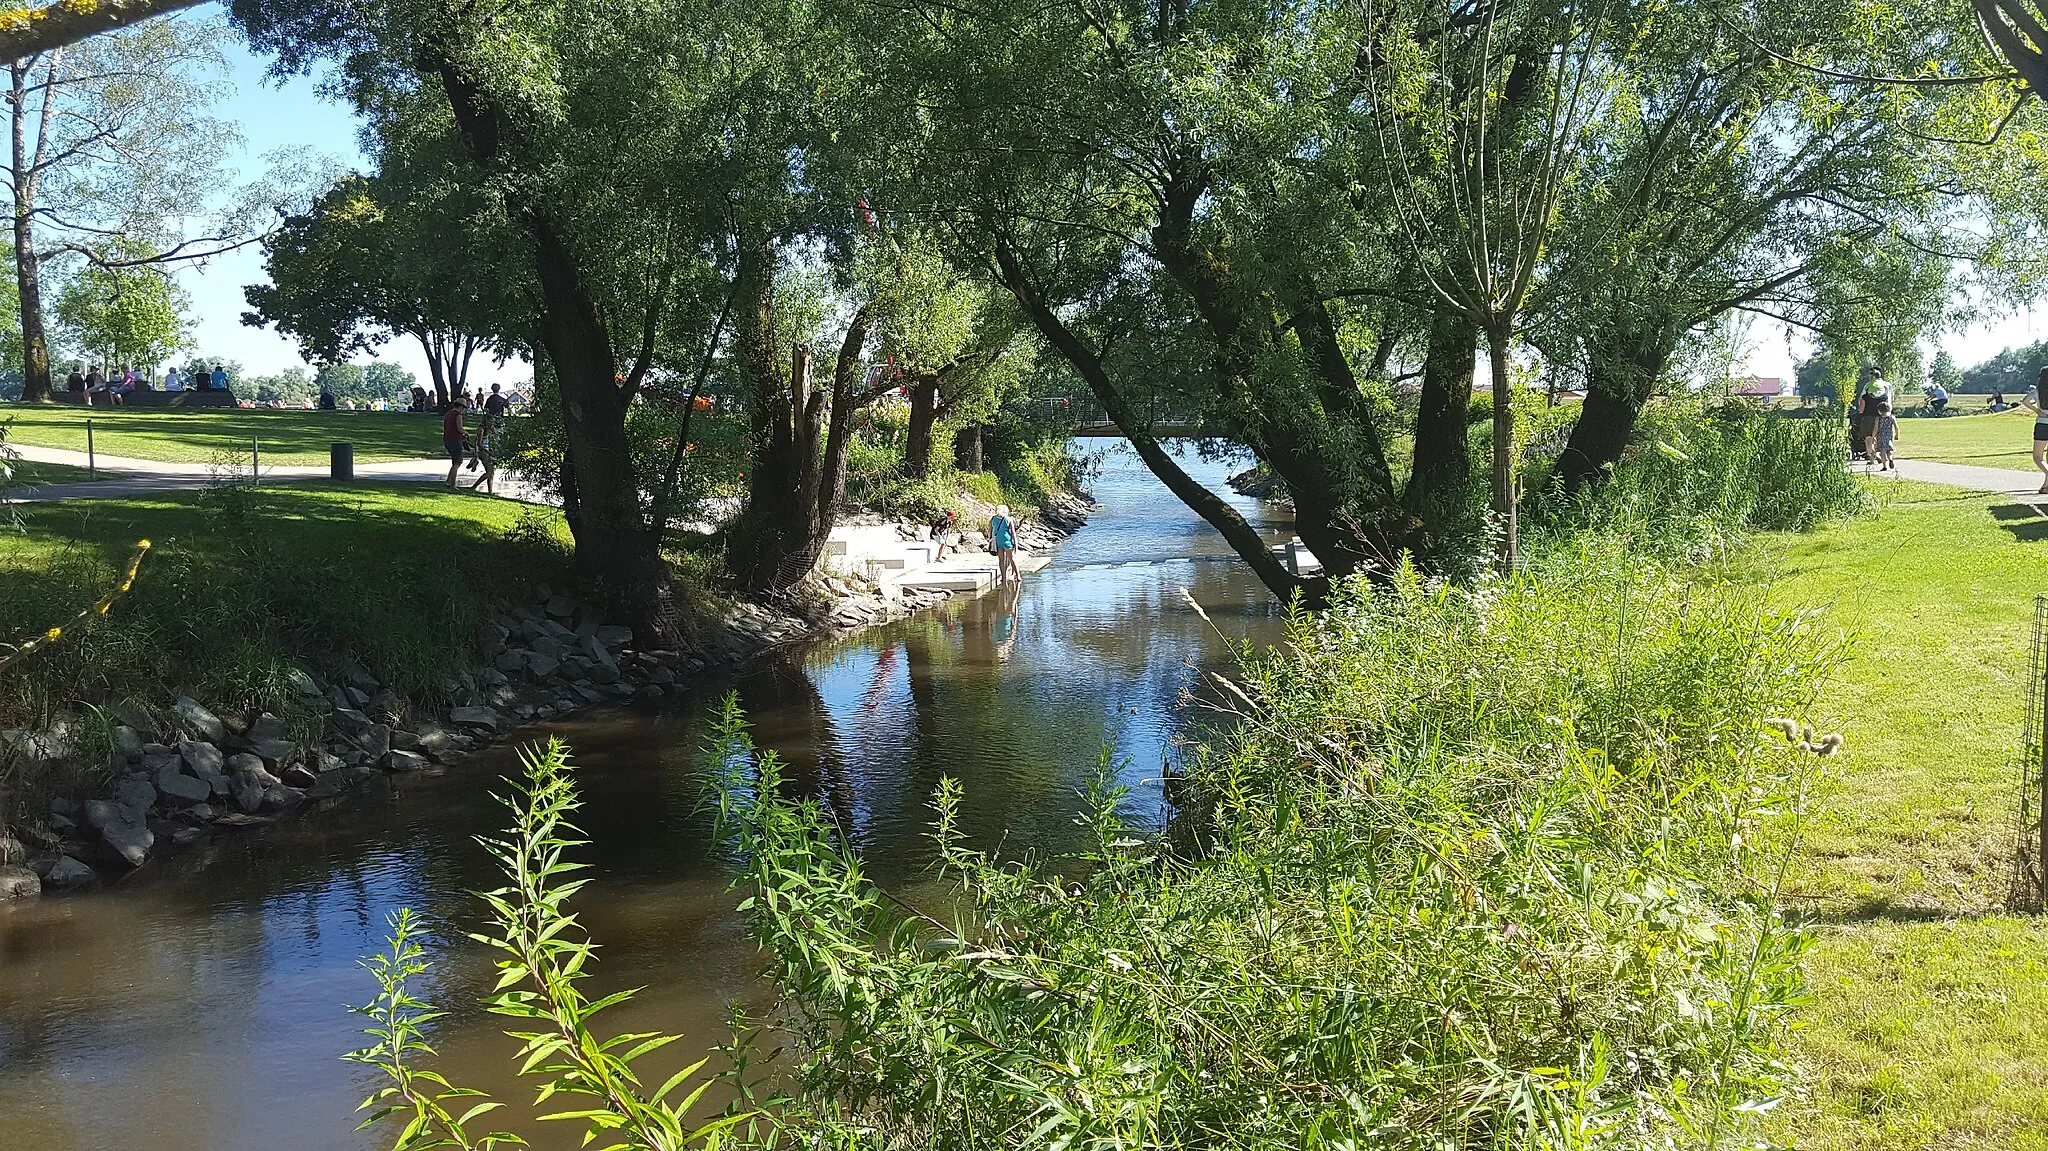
(200, 1005)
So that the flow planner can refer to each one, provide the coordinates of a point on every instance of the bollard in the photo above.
(341, 461)
(92, 470)
(255, 459)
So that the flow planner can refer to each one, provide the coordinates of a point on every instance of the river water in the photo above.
(201, 1003)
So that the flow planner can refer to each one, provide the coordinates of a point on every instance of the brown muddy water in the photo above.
(202, 1002)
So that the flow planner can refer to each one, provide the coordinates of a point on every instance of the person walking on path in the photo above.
(480, 453)
(1870, 400)
(452, 440)
(1887, 435)
(942, 527)
(2032, 403)
(496, 405)
(1002, 536)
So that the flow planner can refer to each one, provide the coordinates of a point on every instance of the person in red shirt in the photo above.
(452, 437)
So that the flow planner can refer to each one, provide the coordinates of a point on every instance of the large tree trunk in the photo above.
(796, 485)
(967, 449)
(1622, 375)
(1443, 453)
(26, 157)
(616, 550)
(924, 412)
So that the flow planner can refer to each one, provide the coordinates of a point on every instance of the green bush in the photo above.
(1467, 868)
(1701, 475)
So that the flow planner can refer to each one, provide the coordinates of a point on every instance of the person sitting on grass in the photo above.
(326, 400)
(452, 439)
(75, 382)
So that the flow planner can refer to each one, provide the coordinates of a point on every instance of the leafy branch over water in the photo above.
(544, 957)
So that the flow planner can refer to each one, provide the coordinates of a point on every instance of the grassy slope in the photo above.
(201, 434)
(1926, 1028)
(397, 577)
(2003, 440)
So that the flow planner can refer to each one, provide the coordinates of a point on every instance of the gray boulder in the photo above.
(323, 761)
(19, 883)
(190, 716)
(128, 742)
(357, 697)
(181, 789)
(386, 705)
(125, 834)
(611, 635)
(511, 659)
(247, 764)
(274, 751)
(201, 758)
(303, 683)
(350, 720)
(477, 717)
(203, 811)
(34, 744)
(541, 666)
(561, 607)
(299, 777)
(404, 761)
(67, 873)
(278, 797)
(266, 727)
(248, 793)
(403, 740)
(221, 785)
(375, 740)
(136, 794)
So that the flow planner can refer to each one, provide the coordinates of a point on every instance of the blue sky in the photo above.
(271, 117)
(274, 116)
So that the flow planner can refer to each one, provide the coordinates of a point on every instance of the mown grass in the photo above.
(1997, 440)
(200, 435)
(1925, 1027)
(238, 589)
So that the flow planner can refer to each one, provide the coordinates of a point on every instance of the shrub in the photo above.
(1468, 868)
(1701, 475)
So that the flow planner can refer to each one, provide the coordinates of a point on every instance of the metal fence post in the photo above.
(255, 459)
(92, 470)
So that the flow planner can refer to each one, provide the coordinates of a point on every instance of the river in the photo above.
(201, 1003)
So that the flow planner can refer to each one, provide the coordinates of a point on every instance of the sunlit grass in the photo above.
(200, 435)
(1925, 1027)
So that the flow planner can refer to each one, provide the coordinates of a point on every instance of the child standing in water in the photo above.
(1887, 435)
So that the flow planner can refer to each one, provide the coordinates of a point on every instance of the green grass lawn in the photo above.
(1926, 1027)
(200, 435)
(2001, 440)
(29, 473)
(237, 590)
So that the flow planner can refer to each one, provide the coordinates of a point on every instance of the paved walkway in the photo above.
(127, 476)
(2024, 487)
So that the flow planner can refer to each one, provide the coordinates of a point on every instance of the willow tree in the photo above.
(627, 146)
(115, 160)
(1477, 158)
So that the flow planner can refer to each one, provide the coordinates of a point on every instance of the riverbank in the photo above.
(112, 759)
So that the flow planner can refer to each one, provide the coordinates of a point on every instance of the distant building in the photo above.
(1760, 387)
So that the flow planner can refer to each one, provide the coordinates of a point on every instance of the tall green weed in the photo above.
(1487, 867)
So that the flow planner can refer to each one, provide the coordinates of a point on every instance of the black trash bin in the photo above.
(341, 461)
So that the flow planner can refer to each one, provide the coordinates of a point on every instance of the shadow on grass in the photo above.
(2025, 522)
(1883, 908)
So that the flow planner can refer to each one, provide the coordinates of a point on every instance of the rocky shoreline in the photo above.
(184, 772)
